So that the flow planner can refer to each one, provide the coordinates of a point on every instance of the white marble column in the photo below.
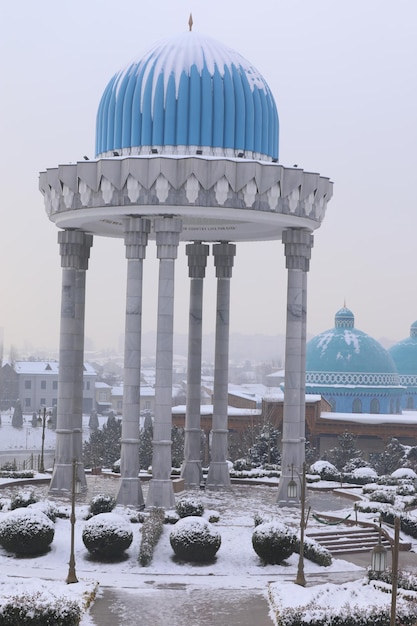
(136, 239)
(191, 470)
(75, 251)
(298, 244)
(161, 492)
(218, 474)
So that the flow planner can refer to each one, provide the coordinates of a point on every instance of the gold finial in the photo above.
(190, 22)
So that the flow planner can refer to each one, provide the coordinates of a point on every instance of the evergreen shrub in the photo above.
(102, 503)
(151, 530)
(107, 535)
(23, 499)
(36, 609)
(47, 507)
(273, 542)
(384, 496)
(314, 552)
(194, 539)
(26, 531)
(189, 506)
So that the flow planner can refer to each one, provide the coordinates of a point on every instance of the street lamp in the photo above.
(379, 561)
(72, 576)
(292, 494)
(42, 421)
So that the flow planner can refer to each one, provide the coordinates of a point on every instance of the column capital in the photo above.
(167, 236)
(298, 243)
(223, 259)
(197, 254)
(74, 248)
(136, 237)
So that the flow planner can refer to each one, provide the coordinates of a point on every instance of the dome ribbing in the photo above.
(188, 93)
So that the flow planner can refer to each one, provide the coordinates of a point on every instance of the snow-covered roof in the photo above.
(45, 367)
(371, 418)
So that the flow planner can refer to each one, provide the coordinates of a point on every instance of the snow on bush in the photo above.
(102, 503)
(365, 472)
(107, 535)
(26, 531)
(47, 507)
(23, 498)
(36, 609)
(326, 470)
(358, 603)
(273, 542)
(194, 539)
(404, 472)
(151, 531)
(189, 506)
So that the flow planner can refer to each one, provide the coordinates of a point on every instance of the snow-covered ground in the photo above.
(236, 566)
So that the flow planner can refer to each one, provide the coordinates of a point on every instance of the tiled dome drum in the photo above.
(188, 93)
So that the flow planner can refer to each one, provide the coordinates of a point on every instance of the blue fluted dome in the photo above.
(188, 93)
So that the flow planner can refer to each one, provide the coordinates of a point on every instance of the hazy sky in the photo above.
(343, 73)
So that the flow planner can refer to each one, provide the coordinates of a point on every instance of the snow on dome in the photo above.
(189, 91)
(364, 472)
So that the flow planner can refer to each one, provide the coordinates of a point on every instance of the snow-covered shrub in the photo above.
(369, 488)
(367, 507)
(194, 539)
(189, 506)
(241, 465)
(389, 481)
(364, 475)
(404, 472)
(151, 531)
(314, 552)
(37, 609)
(326, 470)
(102, 503)
(405, 580)
(407, 522)
(25, 531)
(23, 498)
(47, 507)
(382, 495)
(405, 489)
(273, 542)
(17, 473)
(107, 535)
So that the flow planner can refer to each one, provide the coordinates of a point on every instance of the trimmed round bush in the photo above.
(102, 503)
(107, 535)
(273, 542)
(189, 506)
(383, 496)
(194, 539)
(26, 531)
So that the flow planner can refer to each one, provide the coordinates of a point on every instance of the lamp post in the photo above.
(42, 421)
(379, 561)
(72, 576)
(292, 494)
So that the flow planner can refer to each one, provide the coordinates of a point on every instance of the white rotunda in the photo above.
(186, 150)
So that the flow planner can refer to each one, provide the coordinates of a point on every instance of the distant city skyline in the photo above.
(342, 77)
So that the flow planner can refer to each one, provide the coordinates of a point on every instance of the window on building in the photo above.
(28, 384)
(119, 405)
(147, 405)
(43, 401)
(54, 401)
(27, 403)
(43, 384)
(357, 406)
(410, 402)
(102, 396)
(374, 405)
(54, 384)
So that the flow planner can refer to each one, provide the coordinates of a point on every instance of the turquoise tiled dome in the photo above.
(346, 349)
(404, 353)
(188, 93)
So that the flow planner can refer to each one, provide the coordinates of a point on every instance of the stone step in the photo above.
(351, 540)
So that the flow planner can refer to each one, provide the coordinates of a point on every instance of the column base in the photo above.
(192, 474)
(130, 493)
(161, 494)
(218, 476)
(61, 480)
